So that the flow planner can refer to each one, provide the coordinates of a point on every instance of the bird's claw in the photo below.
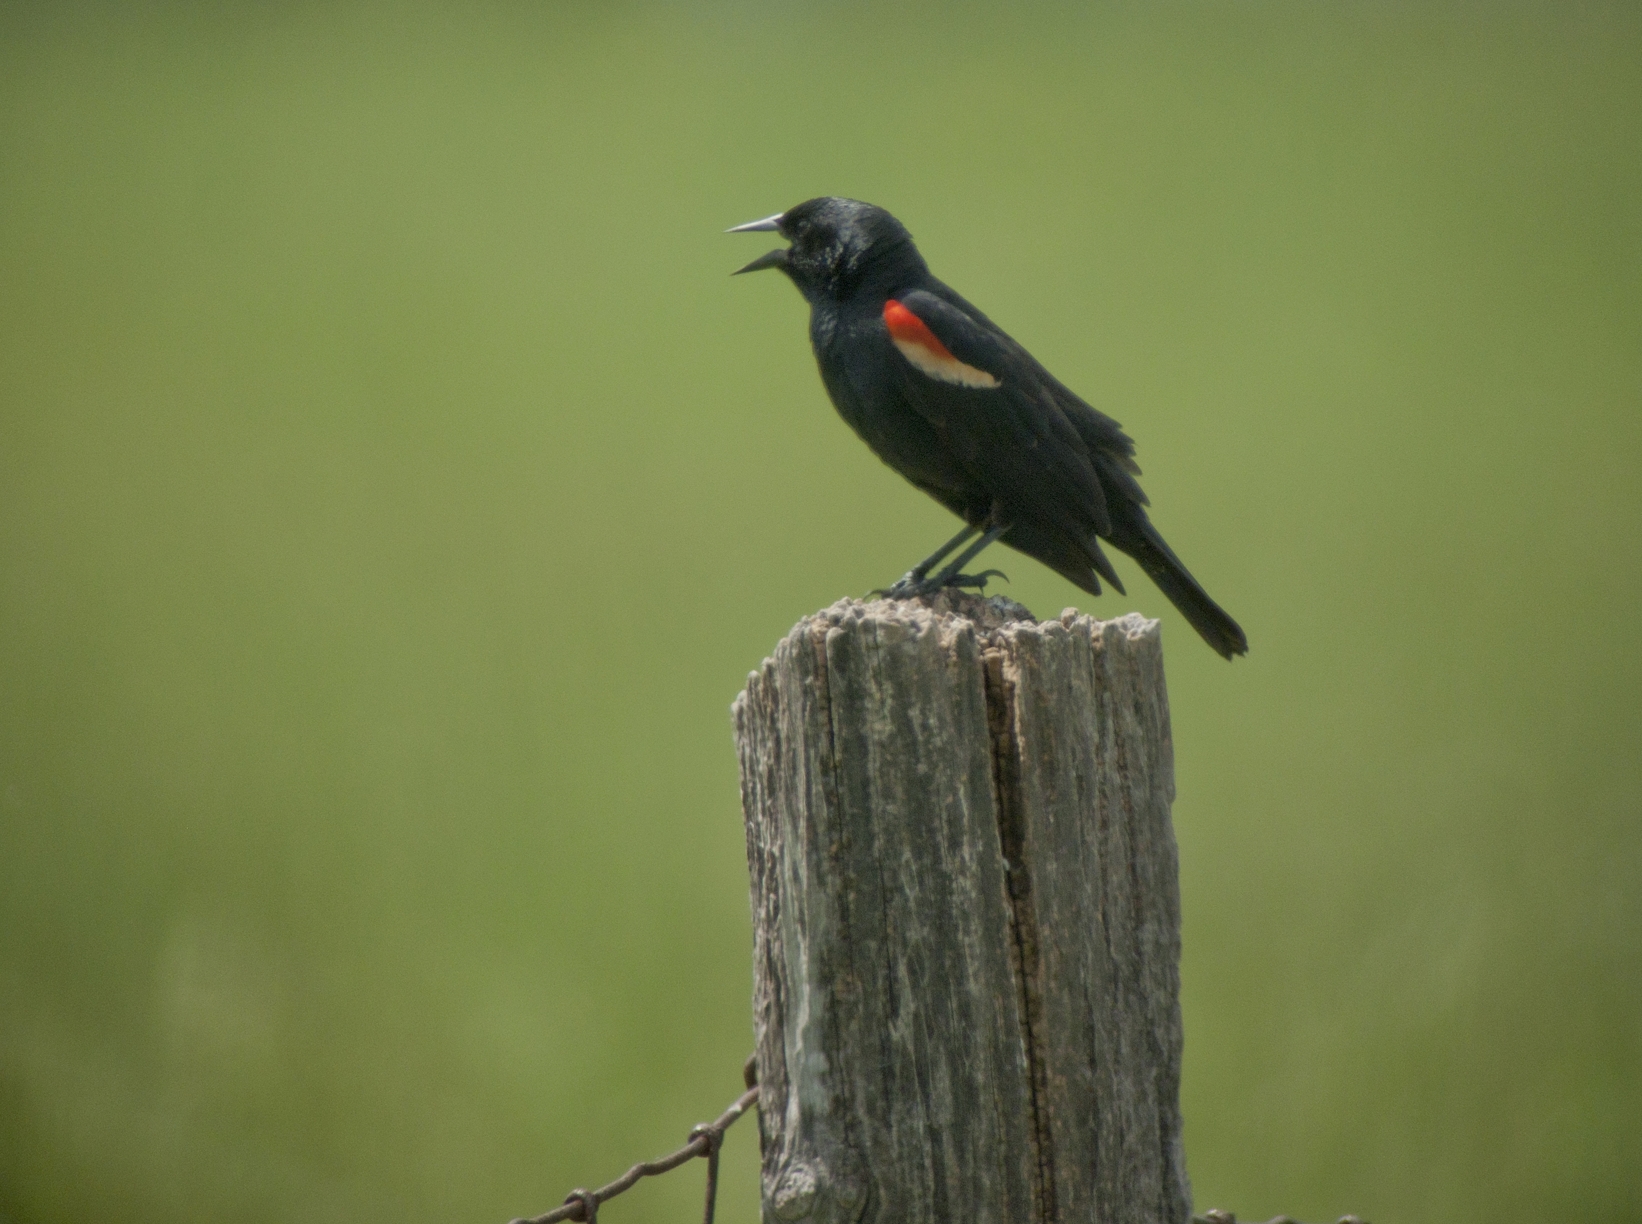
(912, 585)
(905, 587)
(976, 582)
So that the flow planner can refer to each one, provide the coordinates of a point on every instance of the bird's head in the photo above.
(839, 248)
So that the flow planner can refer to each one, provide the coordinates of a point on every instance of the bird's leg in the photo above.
(953, 576)
(912, 582)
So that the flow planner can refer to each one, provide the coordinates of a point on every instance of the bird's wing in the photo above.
(998, 410)
(1112, 449)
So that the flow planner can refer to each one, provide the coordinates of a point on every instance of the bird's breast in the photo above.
(858, 366)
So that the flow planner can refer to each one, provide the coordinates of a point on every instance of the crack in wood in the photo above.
(1023, 922)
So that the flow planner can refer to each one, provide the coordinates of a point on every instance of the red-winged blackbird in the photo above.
(948, 400)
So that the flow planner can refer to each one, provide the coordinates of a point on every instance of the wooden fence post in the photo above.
(966, 911)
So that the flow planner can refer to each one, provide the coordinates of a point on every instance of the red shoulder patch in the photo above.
(924, 350)
(909, 328)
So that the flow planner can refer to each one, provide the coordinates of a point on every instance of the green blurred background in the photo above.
(395, 490)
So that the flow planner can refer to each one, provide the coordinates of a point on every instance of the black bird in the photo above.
(947, 399)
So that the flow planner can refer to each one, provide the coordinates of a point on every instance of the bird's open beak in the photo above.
(770, 259)
(755, 227)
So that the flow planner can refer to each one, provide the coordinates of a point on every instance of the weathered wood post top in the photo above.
(966, 909)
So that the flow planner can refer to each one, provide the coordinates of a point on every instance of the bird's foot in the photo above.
(971, 582)
(908, 586)
(912, 584)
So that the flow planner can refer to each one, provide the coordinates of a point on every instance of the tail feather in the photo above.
(1134, 534)
(1084, 564)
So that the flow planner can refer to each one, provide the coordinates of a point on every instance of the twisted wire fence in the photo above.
(705, 1140)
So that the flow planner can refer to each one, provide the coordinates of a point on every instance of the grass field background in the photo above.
(395, 490)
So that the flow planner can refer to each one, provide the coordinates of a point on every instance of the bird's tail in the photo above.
(1134, 534)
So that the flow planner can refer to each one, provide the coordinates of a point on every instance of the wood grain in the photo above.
(966, 917)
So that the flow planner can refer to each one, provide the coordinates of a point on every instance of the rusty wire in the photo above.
(705, 1140)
